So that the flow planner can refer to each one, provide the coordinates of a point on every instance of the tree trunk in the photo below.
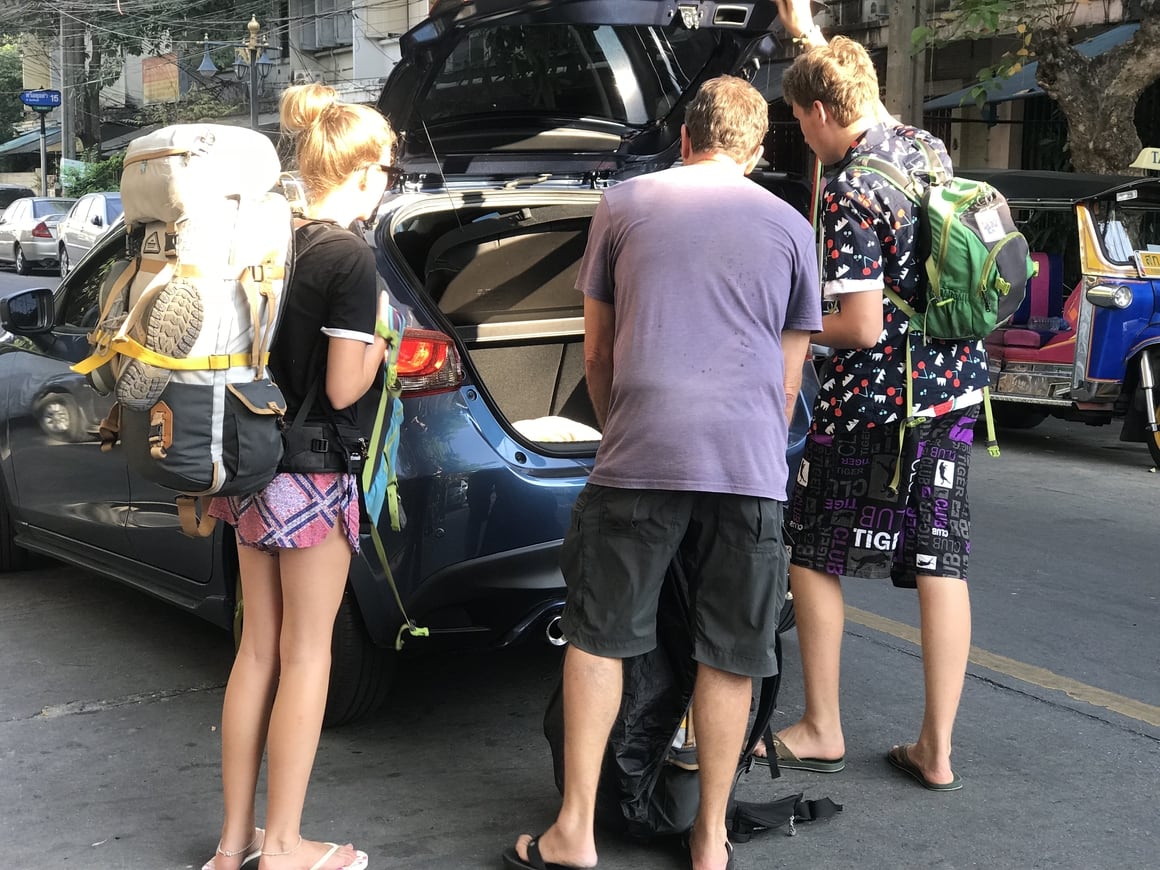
(1098, 95)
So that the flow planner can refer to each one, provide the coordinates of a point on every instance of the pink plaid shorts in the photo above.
(293, 511)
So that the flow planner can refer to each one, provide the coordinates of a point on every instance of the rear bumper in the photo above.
(492, 601)
(41, 251)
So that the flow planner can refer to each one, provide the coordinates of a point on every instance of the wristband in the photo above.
(814, 34)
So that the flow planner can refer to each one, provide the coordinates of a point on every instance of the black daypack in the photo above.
(649, 786)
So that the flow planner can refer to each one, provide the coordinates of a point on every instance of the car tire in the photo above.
(64, 263)
(60, 417)
(22, 267)
(360, 672)
(1009, 415)
(12, 557)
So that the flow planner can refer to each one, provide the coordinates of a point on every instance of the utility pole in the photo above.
(68, 40)
(905, 85)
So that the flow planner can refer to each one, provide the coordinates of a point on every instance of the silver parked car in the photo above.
(28, 232)
(86, 221)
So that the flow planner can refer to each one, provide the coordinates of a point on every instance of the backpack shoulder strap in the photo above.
(894, 175)
(907, 183)
(766, 704)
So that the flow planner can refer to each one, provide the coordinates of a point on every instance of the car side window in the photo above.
(82, 301)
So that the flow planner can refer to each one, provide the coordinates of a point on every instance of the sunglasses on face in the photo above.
(393, 173)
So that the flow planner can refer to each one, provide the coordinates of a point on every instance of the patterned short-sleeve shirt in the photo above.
(871, 241)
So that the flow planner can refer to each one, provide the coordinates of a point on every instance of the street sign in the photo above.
(40, 100)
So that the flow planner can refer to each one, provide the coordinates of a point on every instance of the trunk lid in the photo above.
(564, 91)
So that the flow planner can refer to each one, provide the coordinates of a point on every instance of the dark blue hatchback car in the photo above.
(513, 118)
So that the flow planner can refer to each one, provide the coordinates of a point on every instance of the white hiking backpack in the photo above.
(188, 316)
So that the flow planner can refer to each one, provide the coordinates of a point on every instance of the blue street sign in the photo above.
(41, 100)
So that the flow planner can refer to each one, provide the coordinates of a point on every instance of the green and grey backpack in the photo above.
(977, 263)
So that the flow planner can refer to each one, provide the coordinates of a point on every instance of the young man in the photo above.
(845, 517)
(701, 294)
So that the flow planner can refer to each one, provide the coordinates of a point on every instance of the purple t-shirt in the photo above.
(705, 269)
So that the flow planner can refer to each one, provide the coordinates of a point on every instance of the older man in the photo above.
(701, 293)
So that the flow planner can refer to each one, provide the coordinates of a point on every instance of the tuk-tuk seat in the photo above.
(1029, 345)
(1044, 301)
(1044, 297)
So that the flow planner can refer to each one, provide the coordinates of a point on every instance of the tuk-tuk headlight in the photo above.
(1110, 295)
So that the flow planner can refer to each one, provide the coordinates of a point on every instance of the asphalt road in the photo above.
(110, 703)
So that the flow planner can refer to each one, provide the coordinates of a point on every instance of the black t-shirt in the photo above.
(333, 292)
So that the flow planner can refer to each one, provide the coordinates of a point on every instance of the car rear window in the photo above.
(44, 207)
(632, 75)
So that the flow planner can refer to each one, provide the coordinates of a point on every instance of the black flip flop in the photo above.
(513, 861)
(728, 848)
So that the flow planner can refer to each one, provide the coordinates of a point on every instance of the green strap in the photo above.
(992, 441)
(408, 626)
(392, 391)
(907, 422)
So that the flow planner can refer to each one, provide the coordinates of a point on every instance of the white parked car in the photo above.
(86, 221)
(28, 232)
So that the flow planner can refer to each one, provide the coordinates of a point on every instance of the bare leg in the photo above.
(945, 611)
(817, 601)
(313, 580)
(592, 691)
(720, 713)
(249, 695)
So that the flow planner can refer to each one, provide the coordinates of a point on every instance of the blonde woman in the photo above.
(295, 538)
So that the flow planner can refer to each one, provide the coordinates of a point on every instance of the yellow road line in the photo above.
(1020, 670)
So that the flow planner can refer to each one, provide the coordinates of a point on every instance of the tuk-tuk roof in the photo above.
(1043, 186)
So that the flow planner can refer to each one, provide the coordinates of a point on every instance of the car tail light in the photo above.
(428, 363)
(41, 231)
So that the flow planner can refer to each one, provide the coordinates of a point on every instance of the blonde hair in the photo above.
(839, 75)
(728, 115)
(332, 140)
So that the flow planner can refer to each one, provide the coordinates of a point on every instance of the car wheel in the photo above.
(12, 557)
(1009, 415)
(360, 672)
(64, 263)
(21, 262)
(59, 417)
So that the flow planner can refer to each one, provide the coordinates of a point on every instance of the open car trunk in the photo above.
(502, 272)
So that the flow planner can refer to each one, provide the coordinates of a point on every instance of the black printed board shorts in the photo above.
(620, 544)
(843, 520)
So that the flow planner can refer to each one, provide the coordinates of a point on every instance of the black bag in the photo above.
(649, 786)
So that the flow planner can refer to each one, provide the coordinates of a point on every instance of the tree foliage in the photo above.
(1097, 95)
(103, 32)
(97, 176)
(11, 82)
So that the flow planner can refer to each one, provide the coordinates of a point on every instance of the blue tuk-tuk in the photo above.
(1085, 345)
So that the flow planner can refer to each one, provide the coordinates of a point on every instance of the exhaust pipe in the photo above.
(553, 633)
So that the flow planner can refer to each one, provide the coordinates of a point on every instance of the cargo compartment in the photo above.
(504, 276)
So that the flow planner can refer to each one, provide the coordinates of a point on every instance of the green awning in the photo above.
(29, 143)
